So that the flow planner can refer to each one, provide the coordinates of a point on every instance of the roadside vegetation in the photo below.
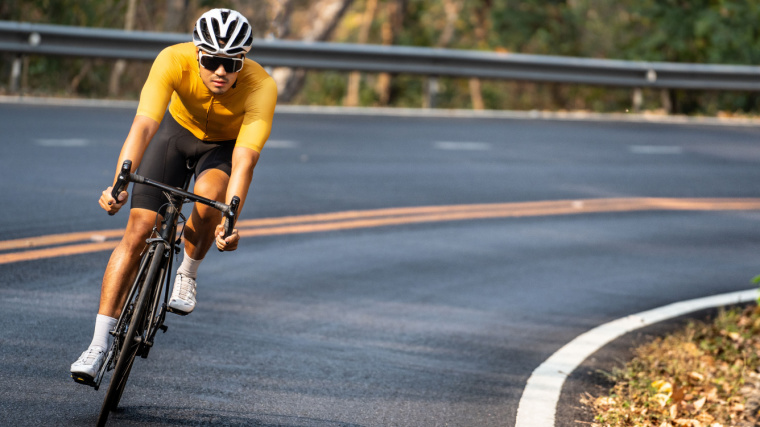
(703, 375)
(692, 31)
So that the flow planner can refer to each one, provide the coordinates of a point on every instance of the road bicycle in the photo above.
(145, 309)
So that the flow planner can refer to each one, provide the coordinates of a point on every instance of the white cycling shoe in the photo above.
(86, 368)
(182, 301)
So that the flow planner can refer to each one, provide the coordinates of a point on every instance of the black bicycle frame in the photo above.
(163, 243)
(167, 233)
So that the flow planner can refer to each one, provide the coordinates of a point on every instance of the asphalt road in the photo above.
(436, 323)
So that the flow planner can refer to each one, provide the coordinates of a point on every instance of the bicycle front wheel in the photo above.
(130, 344)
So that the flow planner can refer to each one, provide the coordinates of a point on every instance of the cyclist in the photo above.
(220, 116)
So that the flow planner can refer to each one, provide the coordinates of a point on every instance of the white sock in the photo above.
(189, 266)
(103, 326)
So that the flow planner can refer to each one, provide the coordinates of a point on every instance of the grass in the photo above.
(703, 375)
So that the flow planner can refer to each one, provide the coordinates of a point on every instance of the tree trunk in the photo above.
(83, 71)
(452, 8)
(391, 25)
(325, 15)
(174, 21)
(432, 85)
(261, 14)
(280, 27)
(476, 95)
(482, 28)
(114, 85)
(354, 79)
(666, 101)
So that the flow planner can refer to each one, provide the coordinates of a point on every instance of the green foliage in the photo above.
(699, 31)
(325, 88)
(539, 27)
(101, 13)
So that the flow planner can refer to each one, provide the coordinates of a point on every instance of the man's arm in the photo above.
(243, 162)
(142, 131)
(257, 124)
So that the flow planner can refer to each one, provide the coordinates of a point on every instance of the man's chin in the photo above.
(219, 90)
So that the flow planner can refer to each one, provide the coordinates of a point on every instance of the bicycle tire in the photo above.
(130, 346)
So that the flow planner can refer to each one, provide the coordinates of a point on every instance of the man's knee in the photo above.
(139, 227)
(212, 184)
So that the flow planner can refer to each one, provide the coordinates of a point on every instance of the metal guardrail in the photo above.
(40, 39)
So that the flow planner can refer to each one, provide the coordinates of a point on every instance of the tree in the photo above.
(697, 31)
(391, 25)
(481, 23)
(129, 24)
(322, 18)
(354, 78)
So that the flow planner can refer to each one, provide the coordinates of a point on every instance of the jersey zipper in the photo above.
(208, 113)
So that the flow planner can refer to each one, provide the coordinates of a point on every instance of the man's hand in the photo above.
(111, 205)
(228, 244)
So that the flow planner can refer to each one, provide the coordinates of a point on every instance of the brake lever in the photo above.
(122, 181)
(229, 217)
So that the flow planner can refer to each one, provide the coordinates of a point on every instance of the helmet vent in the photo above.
(240, 39)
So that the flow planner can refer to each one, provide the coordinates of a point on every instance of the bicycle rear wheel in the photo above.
(130, 345)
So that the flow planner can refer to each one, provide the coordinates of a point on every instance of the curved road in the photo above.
(370, 317)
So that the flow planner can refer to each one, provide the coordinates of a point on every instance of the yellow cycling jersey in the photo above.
(244, 113)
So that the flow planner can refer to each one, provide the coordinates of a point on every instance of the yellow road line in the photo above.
(507, 210)
(57, 252)
(97, 240)
(57, 239)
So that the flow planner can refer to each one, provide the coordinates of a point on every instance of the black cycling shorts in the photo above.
(166, 158)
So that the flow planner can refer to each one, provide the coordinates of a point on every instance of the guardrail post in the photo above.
(667, 105)
(638, 100)
(430, 95)
(15, 74)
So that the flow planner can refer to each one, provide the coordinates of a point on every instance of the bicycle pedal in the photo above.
(85, 381)
(163, 328)
(181, 313)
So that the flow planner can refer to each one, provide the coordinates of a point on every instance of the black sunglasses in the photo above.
(212, 63)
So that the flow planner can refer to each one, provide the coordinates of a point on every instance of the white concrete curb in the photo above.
(524, 115)
(538, 404)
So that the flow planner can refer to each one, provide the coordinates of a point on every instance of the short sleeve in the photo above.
(164, 76)
(259, 113)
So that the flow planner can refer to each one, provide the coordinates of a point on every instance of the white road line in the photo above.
(538, 403)
(422, 112)
(280, 143)
(462, 146)
(63, 142)
(655, 149)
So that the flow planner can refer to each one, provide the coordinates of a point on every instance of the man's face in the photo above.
(218, 80)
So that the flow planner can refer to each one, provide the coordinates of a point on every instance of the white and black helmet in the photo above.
(223, 31)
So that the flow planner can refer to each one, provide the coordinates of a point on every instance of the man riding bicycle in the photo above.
(221, 111)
